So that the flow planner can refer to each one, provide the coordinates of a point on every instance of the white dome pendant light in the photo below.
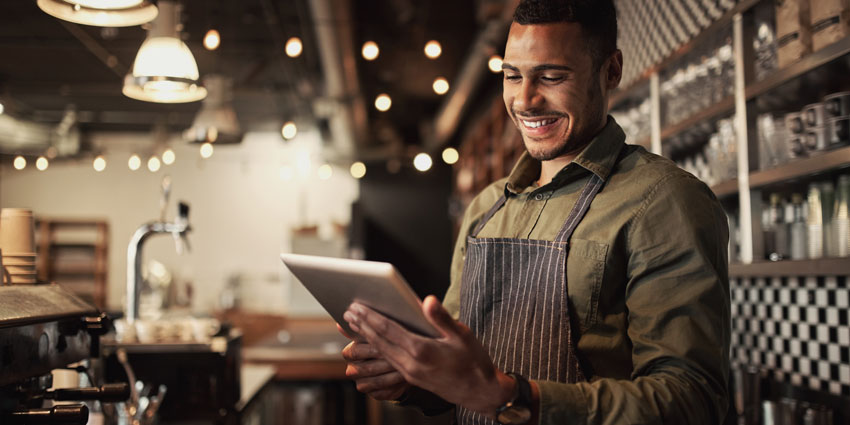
(165, 70)
(101, 13)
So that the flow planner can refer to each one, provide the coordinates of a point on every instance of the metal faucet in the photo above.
(178, 230)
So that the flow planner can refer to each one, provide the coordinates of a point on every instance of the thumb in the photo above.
(438, 316)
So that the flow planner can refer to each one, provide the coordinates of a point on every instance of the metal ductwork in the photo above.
(469, 78)
(28, 138)
(347, 116)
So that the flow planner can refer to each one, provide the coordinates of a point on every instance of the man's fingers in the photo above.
(380, 382)
(343, 332)
(368, 368)
(358, 351)
(387, 336)
(438, 316)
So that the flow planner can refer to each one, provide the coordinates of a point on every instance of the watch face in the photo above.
(514, 415)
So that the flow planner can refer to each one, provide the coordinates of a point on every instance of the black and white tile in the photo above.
(796, 328)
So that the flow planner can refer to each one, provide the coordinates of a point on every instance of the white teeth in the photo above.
(535, 124)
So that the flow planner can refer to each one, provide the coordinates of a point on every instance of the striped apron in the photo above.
(514, 299)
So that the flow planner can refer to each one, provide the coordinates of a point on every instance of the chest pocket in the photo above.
(585, 269)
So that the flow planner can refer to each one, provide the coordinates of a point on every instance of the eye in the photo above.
(512, 77)
(551, 79)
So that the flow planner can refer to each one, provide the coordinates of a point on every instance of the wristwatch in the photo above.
(517, 411)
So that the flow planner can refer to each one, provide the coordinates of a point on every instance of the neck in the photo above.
(549, 168)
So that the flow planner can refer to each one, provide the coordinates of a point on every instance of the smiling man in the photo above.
(589, 286)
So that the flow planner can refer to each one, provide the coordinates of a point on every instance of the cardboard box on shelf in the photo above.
(793, 30)
(830, 21)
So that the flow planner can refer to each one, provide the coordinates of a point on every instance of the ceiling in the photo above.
(50, 65)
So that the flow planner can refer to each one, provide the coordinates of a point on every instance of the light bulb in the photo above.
(99, 163)
(153, 164)
(433, 49)
(370, 50)
(358, 170)
(289, 130)
(422, 162)
(20, 162)
(383, 102)
(294, 47)
(212, 39)
(1, 109)
(440, 86)
(206, 150)
(495, 64)
(168, 157)
(41, 163)
(134, 162)
(450, 155)
(325, 171)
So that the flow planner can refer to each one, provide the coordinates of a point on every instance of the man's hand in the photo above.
(455, 366)
(372, 375)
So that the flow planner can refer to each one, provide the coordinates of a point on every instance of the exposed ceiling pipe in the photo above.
(29, 138)
(334, 35)
(469, 78)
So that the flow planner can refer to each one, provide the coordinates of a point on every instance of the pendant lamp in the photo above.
(101, 13)
(164, 70)
(216, 122)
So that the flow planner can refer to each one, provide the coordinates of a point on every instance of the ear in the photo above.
(613, 70)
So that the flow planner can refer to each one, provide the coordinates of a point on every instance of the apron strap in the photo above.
(489, 215)
(580, 208)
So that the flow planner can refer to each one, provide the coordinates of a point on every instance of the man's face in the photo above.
(552, 90)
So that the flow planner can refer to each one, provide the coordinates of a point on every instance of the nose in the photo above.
(528, 96)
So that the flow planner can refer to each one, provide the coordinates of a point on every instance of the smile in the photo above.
(538, 126)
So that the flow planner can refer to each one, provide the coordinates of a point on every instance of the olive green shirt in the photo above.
(647, 280)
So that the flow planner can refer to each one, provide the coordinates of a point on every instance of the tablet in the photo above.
(338, 282)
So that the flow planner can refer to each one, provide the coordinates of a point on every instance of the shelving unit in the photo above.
(819, 267)
(73, 253)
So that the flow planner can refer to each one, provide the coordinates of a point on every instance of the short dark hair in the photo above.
(598, 20)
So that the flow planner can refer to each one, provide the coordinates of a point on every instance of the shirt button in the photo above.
(538, 197)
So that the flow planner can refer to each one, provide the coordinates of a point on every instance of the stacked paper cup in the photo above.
(17, 246)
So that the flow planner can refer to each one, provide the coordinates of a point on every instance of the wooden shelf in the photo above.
(725, 106)
(801, 167)
(814, 60)
(819, 267)
(727, 188)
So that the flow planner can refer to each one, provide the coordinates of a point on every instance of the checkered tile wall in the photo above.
(796, 328)
(649, 31)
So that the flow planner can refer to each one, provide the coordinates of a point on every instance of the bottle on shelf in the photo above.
(841, 217)
(827, 196)
(798, 229)
(777, 231)
(814, 222)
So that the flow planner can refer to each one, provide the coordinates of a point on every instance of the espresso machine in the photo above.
(42, 328)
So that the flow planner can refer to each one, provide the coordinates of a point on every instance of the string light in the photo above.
(433, 49)
(99, 163)
(440, 86)
(325, 171)
(168, 157)
(495, 64)
(422, 162)
(370, 50)
(358, 170)
(450, 155)
(289, 130)
(41, 163)
(212, 40)
(383, 102)
(20, 162)
(294, 47)
(153, 164)
(2, 109)
(206, 150)
(134, 162)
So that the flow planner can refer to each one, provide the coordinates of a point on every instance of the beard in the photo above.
(580, 132)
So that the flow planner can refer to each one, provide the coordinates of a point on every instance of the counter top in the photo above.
(253, 379)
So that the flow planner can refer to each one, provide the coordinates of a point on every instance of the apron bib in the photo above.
(514, 299)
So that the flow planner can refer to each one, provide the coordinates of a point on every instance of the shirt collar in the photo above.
(598, 157)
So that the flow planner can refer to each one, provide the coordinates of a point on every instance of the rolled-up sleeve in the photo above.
(677, 301)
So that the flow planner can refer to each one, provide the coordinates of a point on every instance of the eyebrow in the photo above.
(539, 68)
